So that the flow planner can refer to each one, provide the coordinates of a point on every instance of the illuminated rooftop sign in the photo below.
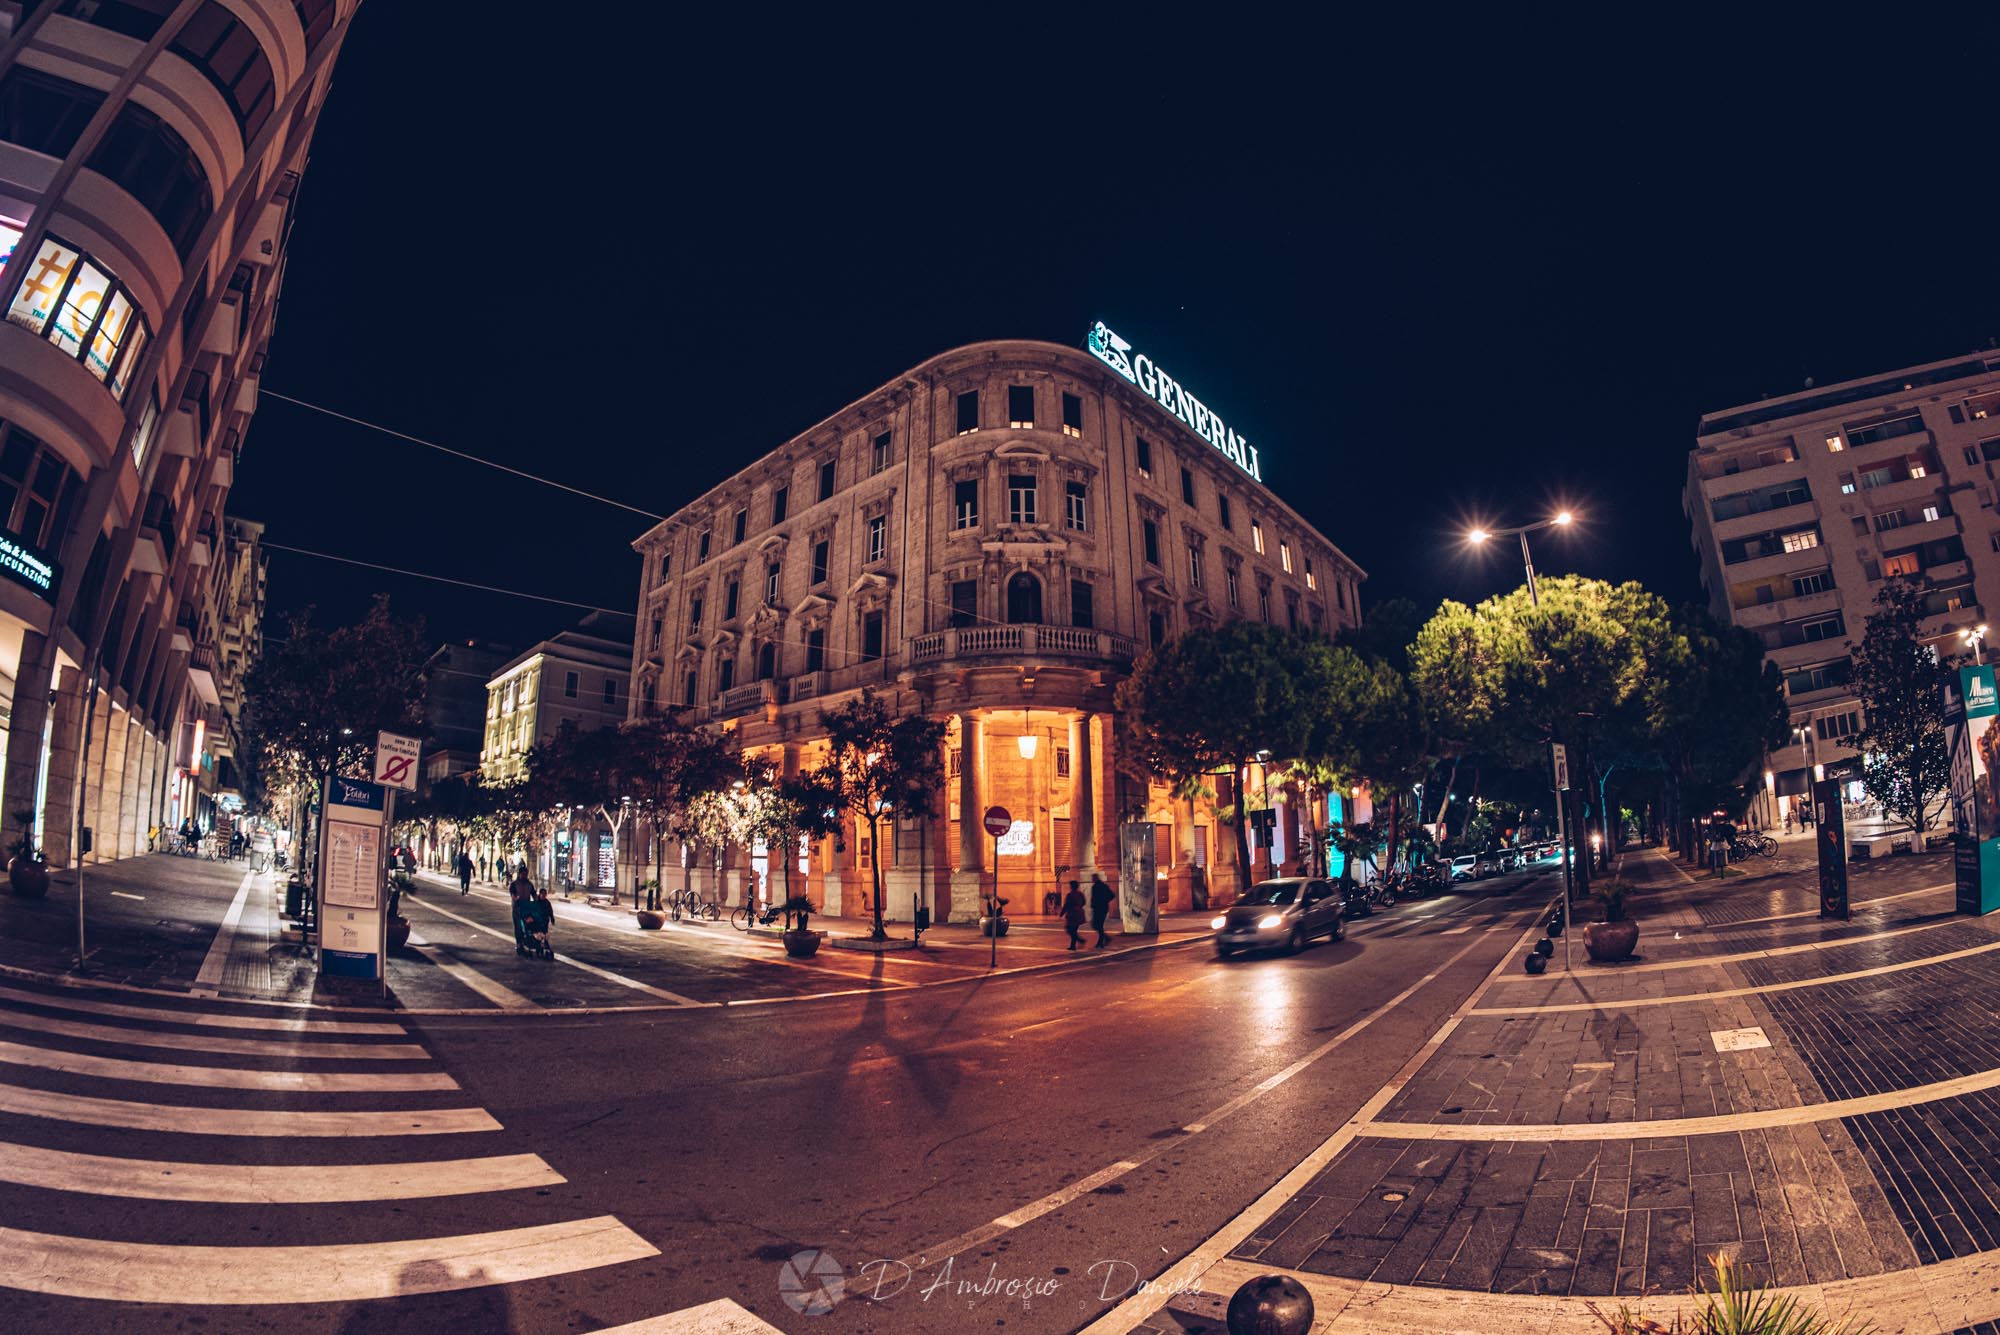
(1170, 394)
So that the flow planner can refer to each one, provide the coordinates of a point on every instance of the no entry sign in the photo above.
(998, 822)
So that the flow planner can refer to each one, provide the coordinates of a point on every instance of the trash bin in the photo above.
(295, 899)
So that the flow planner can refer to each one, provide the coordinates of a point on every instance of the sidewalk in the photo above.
(1817, 1100)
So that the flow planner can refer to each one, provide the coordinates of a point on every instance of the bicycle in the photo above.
(745, 916)
(694, 906)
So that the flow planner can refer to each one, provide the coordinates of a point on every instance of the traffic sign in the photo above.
(396, 761)
(998, 822)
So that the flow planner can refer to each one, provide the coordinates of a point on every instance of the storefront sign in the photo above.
(1971, 705)
(1170, 394)
(26, 567)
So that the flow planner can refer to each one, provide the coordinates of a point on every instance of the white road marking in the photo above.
(210, 1019)
(721, 1317)
(290, 1184)
(1814, 912)
(239, 1121)
(242, 1047)
(606, 974)
(495, 991)
(120, 894)
(222, 1077)
(217, 959)
(335, 1273)
(1740, 1040)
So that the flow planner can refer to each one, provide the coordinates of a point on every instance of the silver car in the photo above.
(1288, 912)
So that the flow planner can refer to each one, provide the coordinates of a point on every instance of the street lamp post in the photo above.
(1476, 537)
(1976, 637)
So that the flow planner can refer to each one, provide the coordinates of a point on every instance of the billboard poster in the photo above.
(1971, 705)
(1832, 840)
(1138, 885)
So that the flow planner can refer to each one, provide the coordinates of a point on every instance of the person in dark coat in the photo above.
(464, 873)
(1072, 915)
(1100, 907)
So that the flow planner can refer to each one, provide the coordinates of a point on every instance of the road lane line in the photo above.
(261, 1184)
(239, 1121)
(336, 1273)
(606, 974)
(210, 978)
(1055, 1200)
(241, 1047)
(223, 1077)
(721, 1317)
(495, 991)
(208, 1019)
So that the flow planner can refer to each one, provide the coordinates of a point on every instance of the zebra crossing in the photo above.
(205, 1154)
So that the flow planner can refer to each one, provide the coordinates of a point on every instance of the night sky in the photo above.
(1433, 271)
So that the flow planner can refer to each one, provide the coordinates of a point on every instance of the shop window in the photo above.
(75, 304)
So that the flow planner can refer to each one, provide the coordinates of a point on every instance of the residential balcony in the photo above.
(1746, 479)
(201, 673)
(1038, 641)
(1757, 521)
(808, 685)
(1777, 563)
(1758, 615)
(1900, 493)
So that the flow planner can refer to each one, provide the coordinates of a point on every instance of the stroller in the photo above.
(531, 934)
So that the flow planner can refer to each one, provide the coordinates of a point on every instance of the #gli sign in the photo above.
(1170, 394)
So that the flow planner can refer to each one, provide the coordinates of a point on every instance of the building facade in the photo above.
(989, 539)
(150, 151)
(1803, 506)
(457, 681)
(578, 676)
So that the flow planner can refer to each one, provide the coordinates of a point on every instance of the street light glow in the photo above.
(1476, 537)
(1563, 517)
(1027, 742)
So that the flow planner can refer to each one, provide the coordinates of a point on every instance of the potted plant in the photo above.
(650, 920)
(28, 871)
(1617, 936)
(399, 926)
(801, 942)
(993, 922)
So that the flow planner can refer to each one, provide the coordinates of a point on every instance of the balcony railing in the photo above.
(987, 641)
(749, 697)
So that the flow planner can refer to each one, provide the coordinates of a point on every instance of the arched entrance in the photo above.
(1024, 599)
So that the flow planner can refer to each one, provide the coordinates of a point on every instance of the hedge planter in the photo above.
(651, 920)
(802, 944)
(1611, 942)
(28, 877)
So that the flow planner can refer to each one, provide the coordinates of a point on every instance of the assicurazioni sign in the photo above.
(1170, 394)
(27, 567)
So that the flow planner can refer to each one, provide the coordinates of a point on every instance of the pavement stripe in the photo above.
(495, 991)
(239, 1121)
(251, 1047)
(208, 1019)
(606, 974)
(721, 1317)
(354, 1272)
(1773, 952)
(290, 1184)
(223, 1077)
(1814, 912)
(120, 894)
(1759, 990)
(212, 965)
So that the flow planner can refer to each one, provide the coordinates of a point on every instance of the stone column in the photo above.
(100, 783)
(33, 690)
(59, 813)
(131, 832)
(968, 884)
(1083, 798)
(110, 784)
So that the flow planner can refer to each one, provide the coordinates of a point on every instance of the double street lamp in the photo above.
(1976, 637)
(1478, 537)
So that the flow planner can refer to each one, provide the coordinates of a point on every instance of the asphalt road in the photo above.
(1010, 1152)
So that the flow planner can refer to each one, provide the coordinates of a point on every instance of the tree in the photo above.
(1714, 707)
(876, 766)
(669, 763)
(601, 765)
(1906, 767)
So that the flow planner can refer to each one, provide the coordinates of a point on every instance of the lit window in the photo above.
(1800, 541)
(1835, 445)
(1062, 762)
(1143, 453)
(965, 504)
(1020, 406)
(1194, 565)
(1930, 513)
(1311, 583)
(1903, 563)
(1918, 470)
(1257, 536)
(1072, 423)
(878, 538)
(1285, 556)
(1076, 499)
(1229, 584)
(968, 412)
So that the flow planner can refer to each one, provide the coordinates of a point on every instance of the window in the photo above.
(1919, 470)
(1222, 509)
(767, 662)
(771, 584)
(144, 156)
(701, 548)
(1903, 563)
(1901, 426)
(225, 51)
(1143, 452)
(1885, 522)
(653, 642)
(1081, 612)
(1156, 628)
(1072, 416)
(878, 456)
(816, 649)
(1062, 761)
(726, 675)
(741, 527)
(1076, 501)
(965, 504)
(1311, 583)
(1194, 565)
(1834, 445)
(1971, 454)
(1257, 537)
(1021, 500)
(1229, 584)
(729, 601)
(1340, 593)
(780, 498)
(871, 637)
(67, 299)
(1263, 603)
(964, 602)
(968, 412)
(1803, 540)
(1024, 600)
(1819, 581)
(1291, 612)
(1285, 556)
(610, 691)
(38, 494)
(878, 538)
(819, 562)
(1152, 536)
(826, 480)
(570, 682)
(1930, 513)
(1187, 485)
(1020, 406)
(1826, 628)
(1847, 484)
(694, 614)
(666, 563)
(1834, 727)
(687, 691)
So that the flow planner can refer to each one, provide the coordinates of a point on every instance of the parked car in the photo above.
(1464, 868)
(1487, 865)
(1288, 912)
(1510, 859)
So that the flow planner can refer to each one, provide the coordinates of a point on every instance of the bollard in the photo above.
(1555, 924)
(1545, 947)
(1536, 963)
(1271, 1305)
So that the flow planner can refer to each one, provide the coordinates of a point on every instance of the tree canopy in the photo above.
(1906, 767)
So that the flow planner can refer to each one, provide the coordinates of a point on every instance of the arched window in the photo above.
(767, 662)
(1024, 599)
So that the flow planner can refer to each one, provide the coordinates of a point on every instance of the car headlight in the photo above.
(1271, 920)
(1219, 923)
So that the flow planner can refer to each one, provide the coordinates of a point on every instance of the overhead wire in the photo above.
(442, 579)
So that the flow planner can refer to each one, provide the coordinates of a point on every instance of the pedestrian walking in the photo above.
(1100, 906)
(464, 873)
(1072, 914)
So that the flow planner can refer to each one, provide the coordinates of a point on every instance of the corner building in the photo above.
(150, 154)
(990, 539)
(1802, 506)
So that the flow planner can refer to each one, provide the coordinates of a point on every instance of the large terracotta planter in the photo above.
(651, 920)
(28, 877)
(986, 926)
(1610, 942)
(802, 944)
(399, 933)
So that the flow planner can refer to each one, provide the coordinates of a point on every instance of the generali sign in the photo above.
(1170, 394)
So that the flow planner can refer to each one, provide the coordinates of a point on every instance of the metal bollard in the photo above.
(1545, 947)
(1536, 963)
(1271, 1305)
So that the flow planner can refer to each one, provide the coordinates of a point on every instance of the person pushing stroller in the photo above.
(533, 916)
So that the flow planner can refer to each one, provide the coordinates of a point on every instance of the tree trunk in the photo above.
(1242, 830)
(875, 872)
(1395, 818)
